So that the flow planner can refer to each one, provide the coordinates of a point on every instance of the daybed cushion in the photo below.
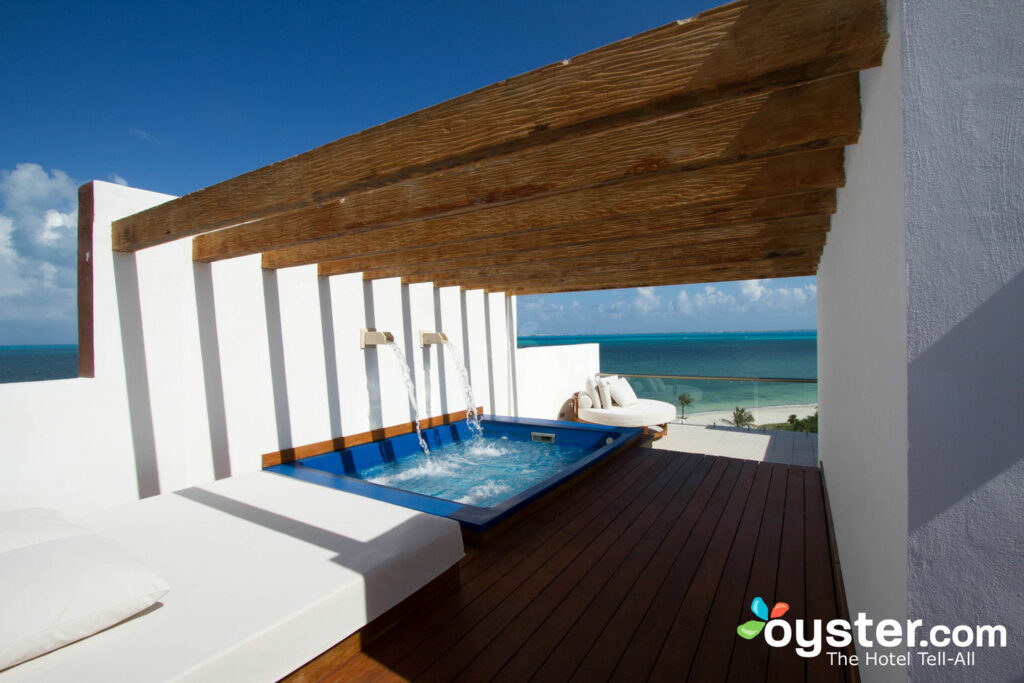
(645, 412)
(267, 572)
(61, 590)
(584, 401)
(590, 388)
(622, 392)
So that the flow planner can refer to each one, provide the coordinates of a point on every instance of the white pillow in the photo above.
(20, 528)
(622, 392)
(58, 591)
(583, 401)
(592, 392)
(605, 391)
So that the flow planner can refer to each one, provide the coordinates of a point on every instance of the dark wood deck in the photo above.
(642, 571)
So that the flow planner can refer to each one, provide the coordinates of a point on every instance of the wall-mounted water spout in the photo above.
(374, 338)
(427, 338)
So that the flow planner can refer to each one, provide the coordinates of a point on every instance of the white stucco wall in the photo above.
(963, 109)
(862, 366)
(200, 369)
(549, 375)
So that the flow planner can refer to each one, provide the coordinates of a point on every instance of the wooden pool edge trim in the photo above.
(337, 443)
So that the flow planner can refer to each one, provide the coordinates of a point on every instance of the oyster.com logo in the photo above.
(751, 629)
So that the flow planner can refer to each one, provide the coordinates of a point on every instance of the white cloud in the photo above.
(647, 301)
(38, 227)
(753, 290)
(117, 179)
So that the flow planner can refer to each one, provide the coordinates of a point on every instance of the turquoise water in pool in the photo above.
(479, 471)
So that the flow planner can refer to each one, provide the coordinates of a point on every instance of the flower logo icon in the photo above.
(753, 627)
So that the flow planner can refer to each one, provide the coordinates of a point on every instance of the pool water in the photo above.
(478, 482)
(480, 471)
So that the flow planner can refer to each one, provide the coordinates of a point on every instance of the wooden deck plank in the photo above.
(721, 570)
(728, 610)
(602, 658)
(689, 586)
(820, 587)
(548, 584)
(650, 567)
(749, 660)
(427, 642)
(784, 664)
(567, 616)
(444, 656)
(593, 566)
(480, 575)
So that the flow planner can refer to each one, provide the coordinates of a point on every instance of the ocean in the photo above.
(34, 363)
(790, 355)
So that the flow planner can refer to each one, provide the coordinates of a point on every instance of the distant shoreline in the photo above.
(762, 414)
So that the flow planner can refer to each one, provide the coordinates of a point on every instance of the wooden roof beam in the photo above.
(783, 235)
(751, 217)
(815, 116)
(733, 51)
(755, 180)
(582, 281)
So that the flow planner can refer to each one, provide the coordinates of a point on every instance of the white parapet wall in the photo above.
(202, 368)
(549, 375)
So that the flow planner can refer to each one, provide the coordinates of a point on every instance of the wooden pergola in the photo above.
(705, 150)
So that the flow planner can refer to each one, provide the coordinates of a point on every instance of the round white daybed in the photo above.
(652, 415)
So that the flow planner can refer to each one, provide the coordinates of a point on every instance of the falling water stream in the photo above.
(411, 389)
(472, 419)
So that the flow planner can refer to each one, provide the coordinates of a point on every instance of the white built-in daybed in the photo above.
(265, 573)
(610, 400)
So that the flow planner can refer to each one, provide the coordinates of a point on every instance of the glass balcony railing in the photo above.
(713, 400)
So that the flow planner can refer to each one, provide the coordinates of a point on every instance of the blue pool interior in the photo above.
(476, 482)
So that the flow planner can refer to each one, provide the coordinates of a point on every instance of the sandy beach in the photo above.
(765, 415)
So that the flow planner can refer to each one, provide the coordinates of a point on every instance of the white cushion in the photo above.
(268, 572)
(605, 392)
(592, 392)
(622, 393)
(583, 401)
(20, 528)
(57, 591)
(644, 413)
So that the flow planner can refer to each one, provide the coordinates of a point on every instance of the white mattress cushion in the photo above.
(645, 412)
(20, 528)
(62, 590)
(267, 572)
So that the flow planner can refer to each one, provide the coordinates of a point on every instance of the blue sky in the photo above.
(173, 97)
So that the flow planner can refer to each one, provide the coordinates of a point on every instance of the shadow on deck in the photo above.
(643, 571)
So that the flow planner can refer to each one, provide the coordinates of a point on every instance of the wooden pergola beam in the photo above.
(815, 116)
(625, 278)
(598, 266)
(710, 244)
(737, 50)
(745, 218)
(760, 179)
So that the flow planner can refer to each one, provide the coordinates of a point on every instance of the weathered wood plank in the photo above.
(759, 178)
(775, 268)
(391, 246)
(629, 270)
(814, 116)
(647, 249)
(735, 50)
